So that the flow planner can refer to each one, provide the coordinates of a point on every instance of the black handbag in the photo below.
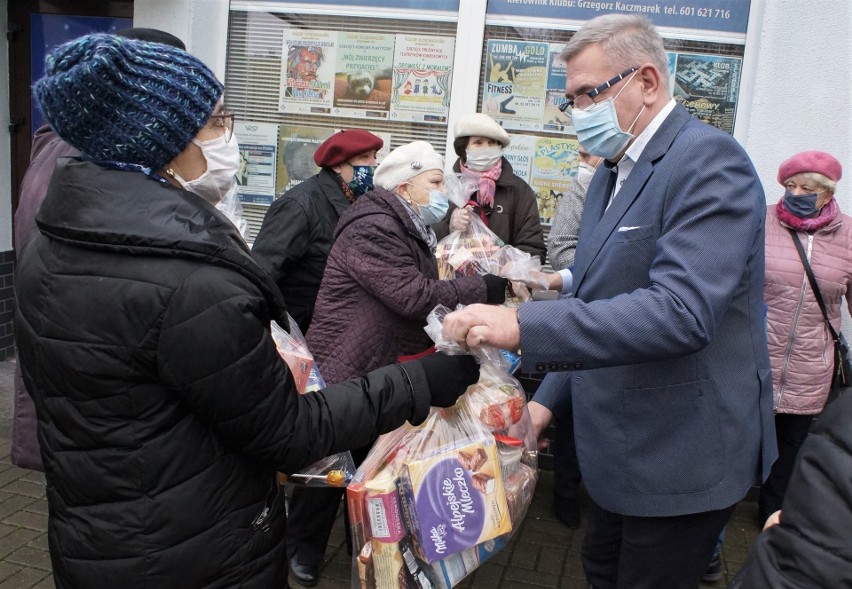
(842, 366)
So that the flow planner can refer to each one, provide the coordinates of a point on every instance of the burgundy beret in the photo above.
(344, 145)
(810, 161)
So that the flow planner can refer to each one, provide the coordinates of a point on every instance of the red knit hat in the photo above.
(810, 161)
(344, 145)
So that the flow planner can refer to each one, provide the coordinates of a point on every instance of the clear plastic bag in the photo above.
(477, 250)
(332, 471)
(431, 502)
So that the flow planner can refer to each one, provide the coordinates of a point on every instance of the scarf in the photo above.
(826, 215)
(347, 192)
(486, 186)
(427, 234)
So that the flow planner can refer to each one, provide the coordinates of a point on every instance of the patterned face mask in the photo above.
(362, 181)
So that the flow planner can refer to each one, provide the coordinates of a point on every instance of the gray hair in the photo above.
(627, 40)
(818, 178)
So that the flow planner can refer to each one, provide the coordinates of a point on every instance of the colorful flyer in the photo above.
(307, 71)
(514, 89)
(362, 79)
(554, 166)
(555, 119)
(296, 148)
(708, 87)
(258, 154)
(422, 74)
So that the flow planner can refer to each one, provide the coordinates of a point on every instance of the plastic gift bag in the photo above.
(332, 471)
(477, 250)
(431, 502)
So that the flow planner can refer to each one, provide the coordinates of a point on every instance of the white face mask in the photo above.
(585, 173)
(223, 162)
(483, 159)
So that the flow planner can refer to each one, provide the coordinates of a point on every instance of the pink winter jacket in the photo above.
(801, 350)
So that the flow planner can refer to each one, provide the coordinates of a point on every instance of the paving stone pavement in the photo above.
(543, 553)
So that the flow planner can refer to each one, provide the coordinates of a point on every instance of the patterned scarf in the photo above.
(347, 192)
(826, 215)
(486, 186)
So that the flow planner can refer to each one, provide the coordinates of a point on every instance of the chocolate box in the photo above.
(449, 508)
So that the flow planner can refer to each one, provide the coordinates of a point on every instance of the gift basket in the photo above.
(431, 502)
(332, 471)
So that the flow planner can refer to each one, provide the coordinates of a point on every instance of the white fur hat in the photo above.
(405, 162)
(481, 125)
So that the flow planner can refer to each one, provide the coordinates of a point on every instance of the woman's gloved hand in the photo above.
(495, 289)
(460, 219)
(448, 376)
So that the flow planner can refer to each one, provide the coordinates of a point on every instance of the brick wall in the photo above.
(7, 304)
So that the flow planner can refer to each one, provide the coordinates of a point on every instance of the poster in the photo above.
(520, 153)
(296, 148)
(258, 154)
(362, 79)
(307, 71)
(297, 145)
(557, 79)
(514, 88)
(708, 87)
(422, 74)
(554, 166)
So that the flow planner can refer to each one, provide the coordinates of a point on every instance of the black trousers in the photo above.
(566, 469)
(790, 432)
(627, 552)
(310, 518)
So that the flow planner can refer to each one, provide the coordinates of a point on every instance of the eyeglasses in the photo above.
(226, 120)
(587, 99)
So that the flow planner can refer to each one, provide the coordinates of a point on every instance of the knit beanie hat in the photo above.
(406, 162)
(124, 100)
(810, 161)
(481, 125)
(345, 145)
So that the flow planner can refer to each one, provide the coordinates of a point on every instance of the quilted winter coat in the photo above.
(164, 409)
(801, 350)
(380, 284)
(514, 218)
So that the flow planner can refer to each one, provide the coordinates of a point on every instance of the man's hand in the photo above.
(460, 219)
(484, 325)
(541, 417)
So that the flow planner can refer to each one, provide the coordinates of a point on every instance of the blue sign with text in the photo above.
(729, 16)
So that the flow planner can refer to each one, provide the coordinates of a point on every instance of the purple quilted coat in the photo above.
(801, 350)
(380, 283)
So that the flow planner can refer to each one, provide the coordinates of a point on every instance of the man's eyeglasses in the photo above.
(587, 99)
(226, 120)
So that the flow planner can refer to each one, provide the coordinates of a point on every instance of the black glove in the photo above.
(448, 376)
(495, 288)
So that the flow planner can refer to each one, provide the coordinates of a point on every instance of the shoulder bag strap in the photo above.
(812, 280)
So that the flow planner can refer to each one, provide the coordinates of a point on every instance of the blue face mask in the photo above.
(437, 208)
(362, 181)
(802, 206)
(598, 130)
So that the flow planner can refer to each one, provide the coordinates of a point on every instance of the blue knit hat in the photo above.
(118, 99)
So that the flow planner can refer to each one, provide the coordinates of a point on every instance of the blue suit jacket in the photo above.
(671, 387)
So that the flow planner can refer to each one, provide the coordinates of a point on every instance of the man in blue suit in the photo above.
(671, 389)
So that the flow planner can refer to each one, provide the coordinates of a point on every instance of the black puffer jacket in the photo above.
(295, 238)
(164, 409)
(812, 546)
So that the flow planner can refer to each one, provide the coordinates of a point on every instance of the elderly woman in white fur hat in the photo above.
(504, 202)
(380, 283)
